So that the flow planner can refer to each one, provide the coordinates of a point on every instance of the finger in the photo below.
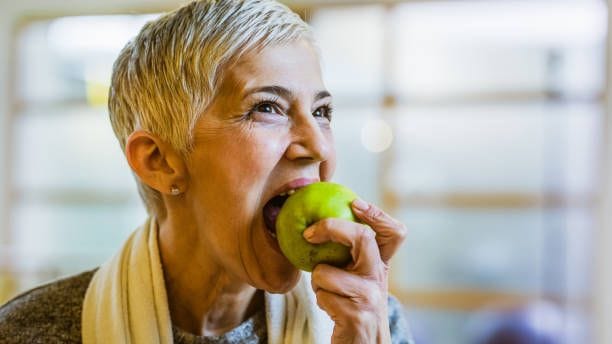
(344, 312)
(344, 283)
(316, 235)
(360, 238)
(390, 233)
(334, 305)
(335, 280)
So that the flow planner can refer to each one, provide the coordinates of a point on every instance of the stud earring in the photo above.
(174, 190)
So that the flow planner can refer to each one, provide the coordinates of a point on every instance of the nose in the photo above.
(309, 141)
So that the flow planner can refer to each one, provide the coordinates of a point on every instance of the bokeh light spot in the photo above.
(376, 135)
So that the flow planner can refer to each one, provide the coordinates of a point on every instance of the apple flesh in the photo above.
(306, 206)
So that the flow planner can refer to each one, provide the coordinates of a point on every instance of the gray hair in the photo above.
(164, 78)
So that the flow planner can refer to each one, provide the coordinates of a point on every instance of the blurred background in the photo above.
(481, 124)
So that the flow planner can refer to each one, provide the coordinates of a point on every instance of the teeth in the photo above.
(288, 193)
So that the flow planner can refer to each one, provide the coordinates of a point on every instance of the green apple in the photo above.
(306, 206)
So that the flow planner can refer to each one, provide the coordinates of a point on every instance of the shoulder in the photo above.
(51, 312)
(400, 332)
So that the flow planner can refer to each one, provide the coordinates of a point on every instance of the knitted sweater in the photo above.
(52, 314)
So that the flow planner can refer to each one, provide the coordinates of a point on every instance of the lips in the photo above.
(274, 205)
(270, 212)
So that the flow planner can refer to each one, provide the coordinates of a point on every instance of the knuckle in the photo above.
(361, 318)
(373, 297)
(369, 299)
(317, 273)
(402, 232)
(374, 212)
(378, 276)
(329, 223)
(365, 233)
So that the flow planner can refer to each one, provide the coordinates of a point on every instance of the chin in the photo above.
(281, 283)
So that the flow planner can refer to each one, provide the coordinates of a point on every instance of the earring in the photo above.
(174, 190)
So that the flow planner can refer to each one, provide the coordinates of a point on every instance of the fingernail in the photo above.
(360, 204)
(308, 234)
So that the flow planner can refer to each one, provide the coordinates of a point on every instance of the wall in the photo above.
(12, 14)
(5, 29)
(603, 283)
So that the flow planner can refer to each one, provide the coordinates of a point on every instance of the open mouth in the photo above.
(272, 208)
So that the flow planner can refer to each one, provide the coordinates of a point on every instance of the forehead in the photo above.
(294, 66)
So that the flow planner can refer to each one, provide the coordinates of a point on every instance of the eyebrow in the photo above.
(283, 92)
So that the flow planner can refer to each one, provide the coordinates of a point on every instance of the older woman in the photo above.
(220, 107)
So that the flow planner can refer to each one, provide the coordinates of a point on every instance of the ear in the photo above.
(156, 162)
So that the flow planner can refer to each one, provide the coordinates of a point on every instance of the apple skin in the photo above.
(306, 206)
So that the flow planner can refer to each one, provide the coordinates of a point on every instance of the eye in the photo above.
(265, 107)
(265, 110)
(324, 111)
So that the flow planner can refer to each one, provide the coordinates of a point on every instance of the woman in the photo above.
(220, 107)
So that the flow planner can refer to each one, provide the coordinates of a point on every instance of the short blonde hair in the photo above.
(164, 78)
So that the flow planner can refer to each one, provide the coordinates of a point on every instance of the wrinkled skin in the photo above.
(269, 124)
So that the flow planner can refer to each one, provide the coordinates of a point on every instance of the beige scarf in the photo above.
(126, 301)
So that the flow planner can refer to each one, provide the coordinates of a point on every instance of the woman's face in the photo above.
(266, 132)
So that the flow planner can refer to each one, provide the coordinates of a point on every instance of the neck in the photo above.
(204, 299)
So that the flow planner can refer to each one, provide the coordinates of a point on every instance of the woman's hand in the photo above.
(356, 297)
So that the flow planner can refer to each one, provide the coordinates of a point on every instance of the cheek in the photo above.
(264, 152)
(327, 170)
(328, 167)
(245, 169)
(250, 154)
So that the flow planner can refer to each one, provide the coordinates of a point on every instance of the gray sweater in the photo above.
(52, 314)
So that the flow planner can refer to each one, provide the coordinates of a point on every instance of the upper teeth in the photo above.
(288, 193)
